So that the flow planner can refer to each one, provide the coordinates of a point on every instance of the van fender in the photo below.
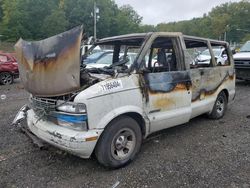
(120, 111)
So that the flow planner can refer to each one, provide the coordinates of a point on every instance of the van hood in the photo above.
(51, 67)
(242, 55)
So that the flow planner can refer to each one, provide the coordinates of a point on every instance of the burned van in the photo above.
(108, 111)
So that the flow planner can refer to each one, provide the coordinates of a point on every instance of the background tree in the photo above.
(1, 10)
(54, 23)
(37, 19)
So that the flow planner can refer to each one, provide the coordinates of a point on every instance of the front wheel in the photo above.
(119, 143)
(220, 106)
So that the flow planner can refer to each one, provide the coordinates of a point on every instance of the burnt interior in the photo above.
(117, 46)
(164, 55)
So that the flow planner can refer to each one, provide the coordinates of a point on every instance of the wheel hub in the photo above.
(123, 144)
(220, 105)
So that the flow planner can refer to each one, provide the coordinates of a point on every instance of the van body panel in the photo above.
(106, 104)
(168, 98)
(207, 83)
(75, 142)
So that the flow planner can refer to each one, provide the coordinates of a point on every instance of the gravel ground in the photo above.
(201, 153)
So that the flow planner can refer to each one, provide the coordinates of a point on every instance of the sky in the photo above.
(159, 11)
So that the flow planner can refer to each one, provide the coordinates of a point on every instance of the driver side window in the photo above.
(163, 55)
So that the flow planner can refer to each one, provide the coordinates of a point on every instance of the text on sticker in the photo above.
(112, 85)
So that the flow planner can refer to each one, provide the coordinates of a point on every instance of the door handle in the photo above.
(188, 85)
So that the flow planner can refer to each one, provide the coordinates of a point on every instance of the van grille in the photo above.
(242, 63)
(42, 104)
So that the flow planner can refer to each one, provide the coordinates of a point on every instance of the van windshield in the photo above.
(119, 53)
(245, 47)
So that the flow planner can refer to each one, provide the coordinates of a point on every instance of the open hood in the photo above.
(51, 67)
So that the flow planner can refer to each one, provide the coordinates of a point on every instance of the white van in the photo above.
(242, 62)
(113, 109)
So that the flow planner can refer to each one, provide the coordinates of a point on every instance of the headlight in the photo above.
(71, 115)
(72, 121)
(71, 107)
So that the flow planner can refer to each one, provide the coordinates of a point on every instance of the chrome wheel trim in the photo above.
(220, 105)
(123, 144)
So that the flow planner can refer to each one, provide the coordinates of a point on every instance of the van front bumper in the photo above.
(80, 143)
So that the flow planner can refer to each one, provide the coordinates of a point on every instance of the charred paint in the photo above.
(59, 142)
(72, 139)
(51, 67)
(166, 82)
(165, 89)
(143, 87)
(210, 85)
(55, 134)
(232, 77)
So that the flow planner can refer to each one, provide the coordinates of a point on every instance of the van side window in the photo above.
(197, 53)
(221, 55)
(163, 55)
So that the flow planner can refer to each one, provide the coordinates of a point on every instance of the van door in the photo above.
(207, 72)
(167, 85)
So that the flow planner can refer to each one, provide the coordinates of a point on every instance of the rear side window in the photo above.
(198, 54)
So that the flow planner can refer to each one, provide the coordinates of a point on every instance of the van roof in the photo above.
(143, 35)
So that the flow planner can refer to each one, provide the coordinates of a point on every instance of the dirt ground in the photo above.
(201, 153)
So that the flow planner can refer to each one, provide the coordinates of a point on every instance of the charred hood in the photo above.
(51, 67)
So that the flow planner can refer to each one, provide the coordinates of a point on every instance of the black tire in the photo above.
(220, 106)
(123, 136)
(6, 78)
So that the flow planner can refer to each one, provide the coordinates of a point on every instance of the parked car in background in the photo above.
(8, 68)
(242, 62)
(107, 58)
(204, 57)
(94, 57)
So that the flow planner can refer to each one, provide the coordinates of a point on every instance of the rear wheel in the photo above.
(220, 106)
(119, 143)
(6, 78)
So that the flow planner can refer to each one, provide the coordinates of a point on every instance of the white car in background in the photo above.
(204, 57)
(107, 60)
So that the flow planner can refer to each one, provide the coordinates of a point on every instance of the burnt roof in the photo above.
(135, 36)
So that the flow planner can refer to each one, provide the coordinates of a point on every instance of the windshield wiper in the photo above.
(119, 63)
(103, 70)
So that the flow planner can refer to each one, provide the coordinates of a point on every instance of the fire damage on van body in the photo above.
(70, 104)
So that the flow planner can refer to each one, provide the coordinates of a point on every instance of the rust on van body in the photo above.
(163, 101)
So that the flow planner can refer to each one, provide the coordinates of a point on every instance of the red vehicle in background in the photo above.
(8, 68)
